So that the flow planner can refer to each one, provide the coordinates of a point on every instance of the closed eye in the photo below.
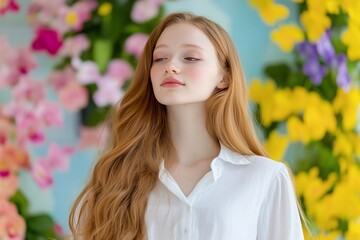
(191, 59)
(159, 59)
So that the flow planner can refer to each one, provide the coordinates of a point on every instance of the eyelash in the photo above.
(159, 59)
(189, 59)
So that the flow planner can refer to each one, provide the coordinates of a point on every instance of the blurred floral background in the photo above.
(311, 105)
(306, 100)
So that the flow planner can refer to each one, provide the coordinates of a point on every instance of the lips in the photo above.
(172, 82)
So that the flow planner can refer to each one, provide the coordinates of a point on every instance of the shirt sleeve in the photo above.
(279, 217)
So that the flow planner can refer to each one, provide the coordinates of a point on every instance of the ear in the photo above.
(224, 83)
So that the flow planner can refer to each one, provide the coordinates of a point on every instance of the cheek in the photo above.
(153, 74)
(204, 74)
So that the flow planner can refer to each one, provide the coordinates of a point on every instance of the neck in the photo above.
(189, 136)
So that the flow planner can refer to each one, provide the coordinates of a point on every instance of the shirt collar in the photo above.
(232, 157)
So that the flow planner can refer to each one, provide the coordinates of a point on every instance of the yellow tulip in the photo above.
(286, 36)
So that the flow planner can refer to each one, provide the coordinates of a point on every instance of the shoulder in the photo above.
(265, 165)
(265, 162)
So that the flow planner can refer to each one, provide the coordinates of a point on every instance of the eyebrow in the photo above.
(184, 45)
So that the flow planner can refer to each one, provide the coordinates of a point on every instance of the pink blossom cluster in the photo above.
(12, 158)
(23, 120)
(12, 225)
(8, 5)
(53, 19)
(109, 84)
(144, 10)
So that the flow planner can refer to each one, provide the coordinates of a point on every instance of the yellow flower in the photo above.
(72, 18)
(260, 3)
(315, 24)
(355, 140)
(318, 6)
(333, 6)
(266, 109)
(342, 145)
(276, 145)
(328, 235)
(351, 38)
(319, 119)
(354, 17)
(297, 130)
(261, 91)
(311, 186)
(347, 104)
(353, 232)
(300, 96)
(281, 107)
(286, 36)
(105, 9)
(273, 13)
(347, 5)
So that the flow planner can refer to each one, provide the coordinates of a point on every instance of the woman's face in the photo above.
(185, 66)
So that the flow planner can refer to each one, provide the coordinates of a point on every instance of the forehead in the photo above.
(184, 34)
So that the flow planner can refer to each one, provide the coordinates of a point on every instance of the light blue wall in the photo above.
(242, 22)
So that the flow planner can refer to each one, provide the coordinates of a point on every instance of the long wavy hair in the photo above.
(113, 203)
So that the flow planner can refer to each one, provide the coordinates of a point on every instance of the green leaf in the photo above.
(21, 203)
(279, 73)
(40, 224)
(102, 52)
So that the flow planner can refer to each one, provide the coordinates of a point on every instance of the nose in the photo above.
(171, 68)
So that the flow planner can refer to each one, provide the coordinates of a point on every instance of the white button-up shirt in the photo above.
(242, 197)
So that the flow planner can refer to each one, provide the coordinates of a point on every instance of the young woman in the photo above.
(184, 161)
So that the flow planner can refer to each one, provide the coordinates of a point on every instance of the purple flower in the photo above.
(307, 50)
(342, 79)
(326, 49)
(313, 69)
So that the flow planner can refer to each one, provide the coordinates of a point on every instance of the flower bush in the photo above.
(96, 45)
(308, 109)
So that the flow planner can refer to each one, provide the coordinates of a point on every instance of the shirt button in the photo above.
(185, 230)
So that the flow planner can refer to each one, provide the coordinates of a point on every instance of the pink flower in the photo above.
(58, 230)
(143, 11)
(73, 47)
(48, 40)
(77, 14)
(49, 113)
(9, 74)
(108, 92)
(120, 70)
(47, 13)
(8, 5)
(12, 159)
(58, 158)
(9, 183)
(87, 72)
(29, 90)
(41, 171)
(73, 96)
(5, 129)
(29, 128)
(25, 60)
(12, 225)
(135, 44)
(59, 79)
(94, 136)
